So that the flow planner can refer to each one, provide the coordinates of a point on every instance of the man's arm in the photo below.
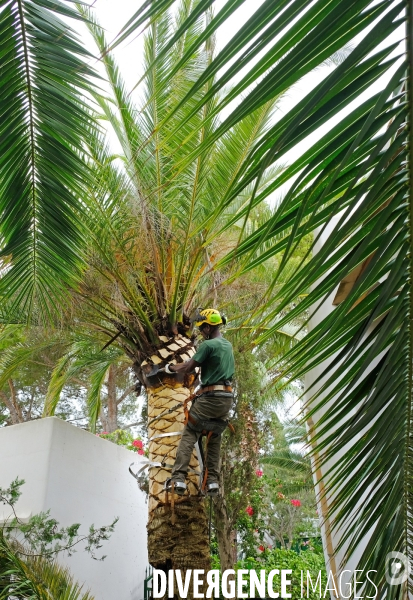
(188, 366)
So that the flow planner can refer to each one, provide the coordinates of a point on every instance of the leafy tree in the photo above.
(240, 458)
(307, 563)
(289, 500)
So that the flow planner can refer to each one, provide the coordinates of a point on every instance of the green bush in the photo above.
(288, 559)
(120, 437)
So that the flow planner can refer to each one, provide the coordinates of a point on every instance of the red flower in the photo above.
(137, 443)
(259, 473)
(105, 433)
(140, 451)
(261, 548)
(249, 510)
(296, 503)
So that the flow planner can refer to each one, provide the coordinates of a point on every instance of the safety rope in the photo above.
(173, 515)
(170, 410)
(210, 519)
(155, 465)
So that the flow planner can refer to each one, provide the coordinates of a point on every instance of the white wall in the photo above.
(81, 479)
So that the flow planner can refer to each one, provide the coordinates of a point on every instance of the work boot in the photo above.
(212, 489)
(179, 487)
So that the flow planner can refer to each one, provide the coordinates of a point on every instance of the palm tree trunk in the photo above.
(226, 536)
(112, 418)
(177, 535)
(12, 404)
(178, 526)
(15, 419)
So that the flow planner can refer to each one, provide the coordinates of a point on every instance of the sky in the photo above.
(113, 14)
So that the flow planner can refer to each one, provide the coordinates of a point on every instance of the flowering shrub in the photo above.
(125, 439)
(287, 559)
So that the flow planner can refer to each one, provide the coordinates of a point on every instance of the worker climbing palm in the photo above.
(209, 412)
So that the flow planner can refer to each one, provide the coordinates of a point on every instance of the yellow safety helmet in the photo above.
(209, 316)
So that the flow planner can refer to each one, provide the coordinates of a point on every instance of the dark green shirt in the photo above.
(216, 359)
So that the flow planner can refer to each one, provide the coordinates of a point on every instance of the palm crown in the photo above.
(158, 223)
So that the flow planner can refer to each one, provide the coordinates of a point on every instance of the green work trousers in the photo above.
(206, 406)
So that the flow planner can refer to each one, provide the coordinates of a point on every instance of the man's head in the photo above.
(209, 321)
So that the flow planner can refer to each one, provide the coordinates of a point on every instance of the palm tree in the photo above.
(360, 173)
(153, 222)
(149, 258)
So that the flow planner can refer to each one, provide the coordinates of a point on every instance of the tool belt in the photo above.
(205, 426)
(215, 388)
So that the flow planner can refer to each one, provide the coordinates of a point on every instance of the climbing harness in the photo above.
(184, 403)
(207, 428)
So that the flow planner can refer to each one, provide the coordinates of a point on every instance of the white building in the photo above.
(335, 559)
(81, 479)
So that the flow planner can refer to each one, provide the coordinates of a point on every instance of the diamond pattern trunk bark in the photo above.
(178, 526)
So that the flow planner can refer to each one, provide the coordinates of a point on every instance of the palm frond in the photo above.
(287, 459)
(82, 358)
(44, 123)
(18, 348)
(35, 577)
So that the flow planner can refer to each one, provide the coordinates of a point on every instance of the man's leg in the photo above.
(184, 453)
(203, 408)
(212, 458)
(213, 407)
